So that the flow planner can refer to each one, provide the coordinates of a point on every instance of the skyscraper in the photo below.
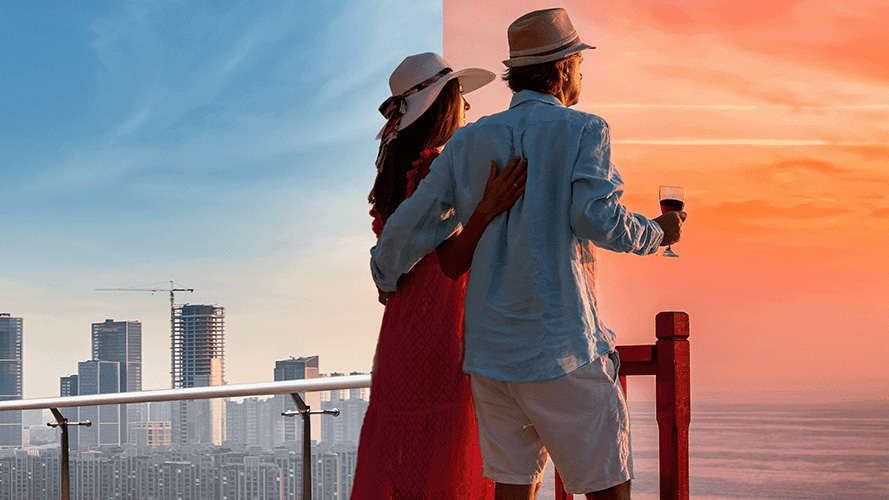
(345, 429)
(198, 342)
(290, 429)
(99, 377)
(10, 378)
(121, 341)
(296, 368)
(68, 387)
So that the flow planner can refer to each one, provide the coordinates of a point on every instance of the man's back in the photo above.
(530, 305)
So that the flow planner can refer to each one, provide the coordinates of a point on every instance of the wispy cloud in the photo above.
(726, 107)
(863, 106)
(744, 142)
(804, 173)
(134, 122)
(731, 107)
(766, 212)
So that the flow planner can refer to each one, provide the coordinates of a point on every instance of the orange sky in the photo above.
(775, 116)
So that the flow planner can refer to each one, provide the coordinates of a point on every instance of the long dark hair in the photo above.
(432, 129)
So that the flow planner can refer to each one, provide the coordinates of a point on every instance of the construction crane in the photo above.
(172, 291)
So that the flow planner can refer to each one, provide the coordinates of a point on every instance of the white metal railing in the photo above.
(292, 387)
(218, 391)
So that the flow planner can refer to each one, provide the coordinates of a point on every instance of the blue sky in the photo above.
(226, 146)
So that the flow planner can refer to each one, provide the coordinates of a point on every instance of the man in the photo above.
(543, 366)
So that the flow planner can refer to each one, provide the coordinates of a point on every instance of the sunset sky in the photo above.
(229, 147)
(775, 117)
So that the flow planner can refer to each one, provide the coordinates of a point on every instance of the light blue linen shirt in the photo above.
(531, 301)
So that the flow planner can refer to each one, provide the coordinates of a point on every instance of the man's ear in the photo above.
(563, 67)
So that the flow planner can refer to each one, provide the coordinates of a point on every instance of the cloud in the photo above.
(766, 92)
(693, 16)
(862, 106)
(870, 152)
(816, 172)
(722, 107)
(134, 121)
(737, 142)
(765, 211)
(842, 37)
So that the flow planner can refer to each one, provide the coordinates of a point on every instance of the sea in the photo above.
(769, 451)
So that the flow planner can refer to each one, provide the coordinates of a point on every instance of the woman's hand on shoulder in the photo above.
(503, 188)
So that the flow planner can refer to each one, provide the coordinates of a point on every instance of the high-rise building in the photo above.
(296, 368)
(150, 424)
(68, 387)
(121, 341)
(10, 378)
(99, 377)
(345, 429)
(248, 423)
(290, 429)
(198, 342)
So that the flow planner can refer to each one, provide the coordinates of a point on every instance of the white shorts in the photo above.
(580, 420)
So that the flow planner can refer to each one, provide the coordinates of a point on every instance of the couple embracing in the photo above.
(487, 373)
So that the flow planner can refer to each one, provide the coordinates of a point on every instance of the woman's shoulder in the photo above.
(420, 169)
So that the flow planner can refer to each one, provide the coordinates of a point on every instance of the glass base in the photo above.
(668, 252)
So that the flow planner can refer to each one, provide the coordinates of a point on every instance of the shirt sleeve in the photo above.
(417, 227)
(596, 212)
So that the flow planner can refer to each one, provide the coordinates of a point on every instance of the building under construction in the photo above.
(198, 342)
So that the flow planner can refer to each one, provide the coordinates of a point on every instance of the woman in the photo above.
(419, 438)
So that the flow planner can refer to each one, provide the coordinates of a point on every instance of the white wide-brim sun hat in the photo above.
(417, 70)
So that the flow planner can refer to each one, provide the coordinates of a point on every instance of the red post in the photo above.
(673, 402)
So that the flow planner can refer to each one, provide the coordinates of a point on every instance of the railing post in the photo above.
(305, 411)
(62, 423)
(673, 397)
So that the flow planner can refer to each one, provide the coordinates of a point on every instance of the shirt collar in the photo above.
(530, 95)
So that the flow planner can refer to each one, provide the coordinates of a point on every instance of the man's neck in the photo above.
(560, 95)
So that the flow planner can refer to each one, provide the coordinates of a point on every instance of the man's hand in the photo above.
(671, 223)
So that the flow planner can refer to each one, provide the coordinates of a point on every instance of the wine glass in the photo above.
(672, 200)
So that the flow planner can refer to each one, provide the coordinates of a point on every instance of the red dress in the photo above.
(419, 440)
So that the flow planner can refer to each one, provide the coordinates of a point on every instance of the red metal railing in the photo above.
(668, 360)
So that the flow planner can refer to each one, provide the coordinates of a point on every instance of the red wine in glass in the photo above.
(672, 200)
(669, 205)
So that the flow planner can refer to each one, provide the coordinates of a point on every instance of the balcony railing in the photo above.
(668, 360)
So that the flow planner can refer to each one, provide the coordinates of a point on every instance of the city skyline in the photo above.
(253, 460)
(211, 155)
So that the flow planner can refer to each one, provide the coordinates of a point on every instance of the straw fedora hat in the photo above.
(542, 36)
(416, 83)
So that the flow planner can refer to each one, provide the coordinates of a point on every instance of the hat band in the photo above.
(422, 85)
(514, 54)
(395, 107)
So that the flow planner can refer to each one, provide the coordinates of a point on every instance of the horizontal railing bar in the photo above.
(637, 353)
(635, 368)
(217, 391)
